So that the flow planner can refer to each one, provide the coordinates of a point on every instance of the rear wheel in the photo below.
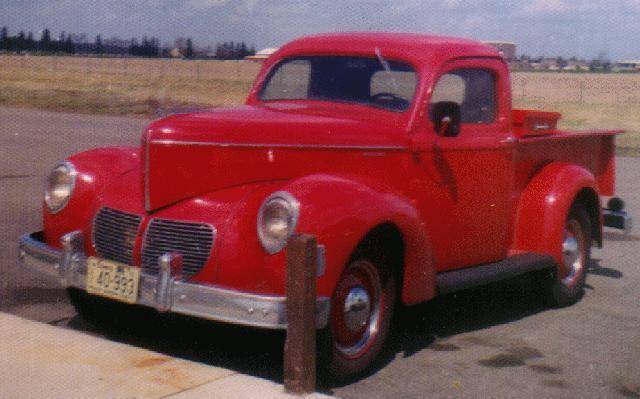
(361, 313)
(567, 284)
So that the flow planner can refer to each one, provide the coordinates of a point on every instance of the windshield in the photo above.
(389, 85)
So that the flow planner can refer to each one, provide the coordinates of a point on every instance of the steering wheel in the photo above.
(390, 98)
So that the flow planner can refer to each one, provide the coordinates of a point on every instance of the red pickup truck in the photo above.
(400, 153)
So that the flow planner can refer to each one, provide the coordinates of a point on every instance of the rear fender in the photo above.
(340, 212)
(545, 203)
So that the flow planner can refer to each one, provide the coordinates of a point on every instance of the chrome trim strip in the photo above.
(287, 146)
(177, 296)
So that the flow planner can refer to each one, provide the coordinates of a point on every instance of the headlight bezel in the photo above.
(72, 174)
(272, 244)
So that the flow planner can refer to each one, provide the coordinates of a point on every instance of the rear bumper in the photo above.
(164, 292)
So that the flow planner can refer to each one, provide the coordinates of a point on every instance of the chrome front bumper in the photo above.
(165, 292)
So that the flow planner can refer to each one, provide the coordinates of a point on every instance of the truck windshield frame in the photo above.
(358, 80)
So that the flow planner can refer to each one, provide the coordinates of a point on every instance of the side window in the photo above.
(473, 89)
(289, 82)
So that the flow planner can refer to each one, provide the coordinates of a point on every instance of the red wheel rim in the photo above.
(356, 309)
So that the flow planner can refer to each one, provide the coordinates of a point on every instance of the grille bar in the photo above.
(114, 234)
(192, 240)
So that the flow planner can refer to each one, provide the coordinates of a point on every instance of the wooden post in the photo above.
(300, 346)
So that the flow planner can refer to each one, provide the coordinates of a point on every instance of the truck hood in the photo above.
(188, 155)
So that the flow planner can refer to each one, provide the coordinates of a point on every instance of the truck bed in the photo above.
(540, 143)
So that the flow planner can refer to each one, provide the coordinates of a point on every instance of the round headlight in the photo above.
(59, 186)
(277, 221)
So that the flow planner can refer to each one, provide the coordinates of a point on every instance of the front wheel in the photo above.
(568, 282)
(101, 311)
(361, 313)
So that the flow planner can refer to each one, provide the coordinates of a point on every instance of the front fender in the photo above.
(340, 211)
(544, 205)
(95, 168)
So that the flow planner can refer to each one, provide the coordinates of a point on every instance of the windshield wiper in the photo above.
(387, 68)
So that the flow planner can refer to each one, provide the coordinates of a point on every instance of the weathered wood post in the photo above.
(300, 345)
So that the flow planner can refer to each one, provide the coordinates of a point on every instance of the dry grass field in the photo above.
(124, 86)
(586, 101)
(121, 86)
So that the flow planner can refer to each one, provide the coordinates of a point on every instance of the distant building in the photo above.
(261, 55)
(574, 65)
(506, 49)
(626, 66)
(548, 64)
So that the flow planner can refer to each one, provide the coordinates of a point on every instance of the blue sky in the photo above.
(540, 27)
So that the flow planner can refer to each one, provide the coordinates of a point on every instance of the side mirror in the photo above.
(445, 116)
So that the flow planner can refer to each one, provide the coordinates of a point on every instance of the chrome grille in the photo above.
(192, 240)
(114, 234)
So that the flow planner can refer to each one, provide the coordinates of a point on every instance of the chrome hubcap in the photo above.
(357, 306)
(356, 309)
(572, 252)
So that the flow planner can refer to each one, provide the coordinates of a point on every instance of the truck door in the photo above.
(472, 172)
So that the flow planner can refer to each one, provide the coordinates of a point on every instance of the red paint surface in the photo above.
(457, 202)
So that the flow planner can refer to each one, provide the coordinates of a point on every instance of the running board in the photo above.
(458, 280)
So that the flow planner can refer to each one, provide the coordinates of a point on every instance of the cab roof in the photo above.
(409, 46)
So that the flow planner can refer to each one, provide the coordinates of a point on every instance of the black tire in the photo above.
(100, 311)
(566, 283)
(353, 340)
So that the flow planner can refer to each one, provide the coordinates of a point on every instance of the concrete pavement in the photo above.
(42, 361)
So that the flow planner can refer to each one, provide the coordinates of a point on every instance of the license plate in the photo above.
(112, 279)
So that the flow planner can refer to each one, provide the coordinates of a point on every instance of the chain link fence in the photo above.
(588, 88)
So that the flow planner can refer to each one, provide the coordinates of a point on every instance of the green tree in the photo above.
(4, 38)
(31, 43)
(69, 46)
(189, 51)
(99, 49)
(243, 50)
(21, 42)
(45, 40)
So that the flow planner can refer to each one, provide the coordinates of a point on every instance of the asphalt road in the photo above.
(499, 341)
